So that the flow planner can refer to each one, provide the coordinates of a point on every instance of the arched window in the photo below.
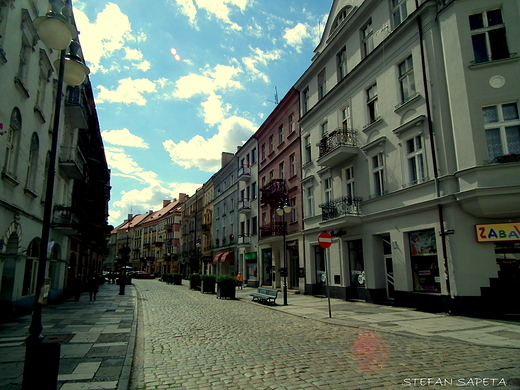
(32, 164)
(13, 144)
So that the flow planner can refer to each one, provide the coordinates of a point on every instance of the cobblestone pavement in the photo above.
(188, 340)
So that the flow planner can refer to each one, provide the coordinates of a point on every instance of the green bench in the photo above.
(265, 295)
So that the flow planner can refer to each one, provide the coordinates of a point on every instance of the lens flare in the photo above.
(371, 352)
(173, 51)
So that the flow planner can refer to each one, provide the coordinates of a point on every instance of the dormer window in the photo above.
(341, 16)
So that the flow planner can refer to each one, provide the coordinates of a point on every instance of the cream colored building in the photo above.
(407, 110)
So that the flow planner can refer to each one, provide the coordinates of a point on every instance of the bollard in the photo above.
(42, 363)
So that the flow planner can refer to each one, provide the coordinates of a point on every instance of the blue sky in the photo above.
(177, 82)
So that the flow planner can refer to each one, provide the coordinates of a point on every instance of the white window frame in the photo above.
(292, 126)
(406, 79)
(399, 12)
(372, 103)
(367, 38)
(348, 175)
(501, 126)
(305, 100)
(378, 174)
(322, 84)
(486, 30)
(415, 159)
(342, 63)
(309, 209)
(292, 161)
(308, 152)
(327, 190)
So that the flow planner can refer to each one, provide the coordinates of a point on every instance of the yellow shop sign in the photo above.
(492, 232)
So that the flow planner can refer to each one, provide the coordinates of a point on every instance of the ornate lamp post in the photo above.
(284, 208)
(40, 370)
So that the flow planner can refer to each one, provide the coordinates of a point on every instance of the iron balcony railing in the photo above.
(339, 137)
(274, 187)
(244, 239)
(272, 229)
(339, 207)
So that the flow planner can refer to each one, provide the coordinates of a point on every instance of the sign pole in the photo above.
(325, 241)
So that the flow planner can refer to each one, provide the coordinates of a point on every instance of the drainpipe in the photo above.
(434, 155)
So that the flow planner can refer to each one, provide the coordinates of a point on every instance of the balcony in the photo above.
(340, 207)
(244, 239)
(244, 206)
(72, 163)
(337, 146)
(272, 190)
(244, 173)
(76, 107)
(272, 229)
(65, 219)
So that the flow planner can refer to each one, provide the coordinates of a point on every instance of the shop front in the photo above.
(251, 270)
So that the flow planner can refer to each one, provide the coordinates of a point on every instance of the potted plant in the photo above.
(177, 279)
(207, 284)
(194, 281)
(226, 287)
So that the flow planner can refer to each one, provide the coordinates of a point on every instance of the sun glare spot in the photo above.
(173, 51)
(177, 57)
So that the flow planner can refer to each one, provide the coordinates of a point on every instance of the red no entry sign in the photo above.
(325, 240)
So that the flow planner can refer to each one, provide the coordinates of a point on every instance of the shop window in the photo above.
(424, 261)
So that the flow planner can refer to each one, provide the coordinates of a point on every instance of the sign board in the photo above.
(493, 232)
(325, 240)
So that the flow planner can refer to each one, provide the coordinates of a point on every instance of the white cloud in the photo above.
(210, 81)
(213, 111)
(123, 138)
(296, 35)
(262, 58)
(109, 33)
(220, 9)
(205, 154)
(128, 91)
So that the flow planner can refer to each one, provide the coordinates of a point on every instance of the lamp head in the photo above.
(54, 30)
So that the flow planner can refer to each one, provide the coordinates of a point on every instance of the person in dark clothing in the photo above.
(93, 286)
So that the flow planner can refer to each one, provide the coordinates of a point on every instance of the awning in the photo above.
(227, 257)
(217, 258)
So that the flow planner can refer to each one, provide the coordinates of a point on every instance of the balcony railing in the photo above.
(244, 206)
(64, 218)
(244, 173)
(77, 107)
(273, 188)
(244, 239)
(339, 207)
(72, 162)
(339, 137)
(272, 229)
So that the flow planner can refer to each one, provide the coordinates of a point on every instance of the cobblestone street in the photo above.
(191, 340)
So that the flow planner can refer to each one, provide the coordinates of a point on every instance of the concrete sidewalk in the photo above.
(97, 341)
(494, 333)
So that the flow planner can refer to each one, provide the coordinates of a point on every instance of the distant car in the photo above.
(142, 275)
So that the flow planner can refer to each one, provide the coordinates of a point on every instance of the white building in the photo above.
(28, 88)
(407, 110)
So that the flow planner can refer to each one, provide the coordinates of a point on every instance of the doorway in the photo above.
(389, 268)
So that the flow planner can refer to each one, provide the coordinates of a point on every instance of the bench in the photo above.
(265, 295)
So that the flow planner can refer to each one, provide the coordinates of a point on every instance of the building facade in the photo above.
(82, 180)
(403, 154)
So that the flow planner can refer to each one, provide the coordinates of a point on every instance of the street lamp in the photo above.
(284, 208)
(56, 33)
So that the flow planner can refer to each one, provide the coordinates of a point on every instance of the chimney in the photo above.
(166, 203)
(130, 216)
(226, 157)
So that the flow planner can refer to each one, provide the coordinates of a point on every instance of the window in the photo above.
(424, 261)
(324, 128)
(294, 211)
(12, 144)
(502, 125)
(29, 39)
(292, 161)
(271, 144)
(367, 36)
(253, 156)
(263, 152)
(342, 63)
(372, 106)
(281, 170)
(280, 134)
(406, 79)
(345, 118)
(253, 190)
(292, 127)
(271, 175)
(45, 72)
(305, 100)
(349, 182)
(414, 155)
(328, 190)
(488, 36)
(309, 211)
(254, 224)
(32, 164)
(321, 84)
(308, 156)
(378, 174)
(398, 12)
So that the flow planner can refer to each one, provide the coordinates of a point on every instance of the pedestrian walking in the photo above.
(240, 280)
(77, 287)
(93, 285)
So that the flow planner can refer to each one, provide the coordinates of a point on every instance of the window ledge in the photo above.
(3, 57)
(30, 192)
(372, 124)
(10, 178)
(21, 87)
(39, 113)
(512, 57)
(404, 104)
